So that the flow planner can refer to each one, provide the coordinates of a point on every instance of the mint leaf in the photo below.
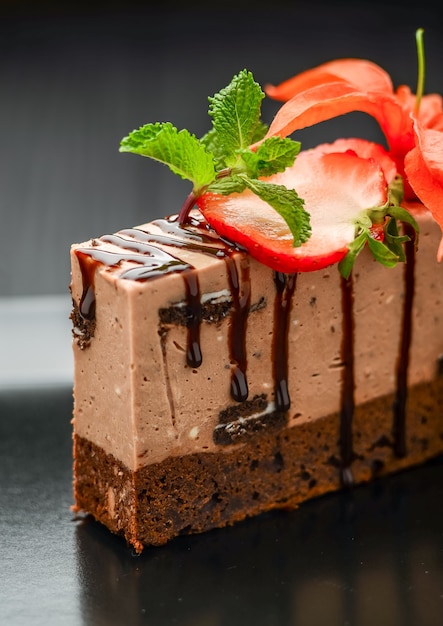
(227, 185)
(259, 131)
(222, 160)
(288, 204)
(274, 155)
(235, 113)
(181, 151)
(213, 143)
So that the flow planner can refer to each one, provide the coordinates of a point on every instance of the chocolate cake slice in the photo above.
(209, 387)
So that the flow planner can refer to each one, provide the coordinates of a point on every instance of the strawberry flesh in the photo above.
(337, 188)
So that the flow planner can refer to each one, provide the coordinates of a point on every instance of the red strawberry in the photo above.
(363, 74)
(337, 188)
(366, 150)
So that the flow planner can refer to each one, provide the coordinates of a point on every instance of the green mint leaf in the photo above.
(354, 248)
(288, 204)
(212, 142)
(227, 185)
(259, 131)
(181, 151)
(274, 155)
(235, 113)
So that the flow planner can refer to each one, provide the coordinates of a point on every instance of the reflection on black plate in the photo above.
(373, 556)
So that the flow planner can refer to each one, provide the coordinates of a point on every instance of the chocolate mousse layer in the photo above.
(209, 388)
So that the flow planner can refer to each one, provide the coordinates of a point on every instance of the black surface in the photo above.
(369, 557)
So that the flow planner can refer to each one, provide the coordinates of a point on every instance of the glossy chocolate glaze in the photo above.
(348, 381)
(285, 288)
(241, 299)
(152, 261)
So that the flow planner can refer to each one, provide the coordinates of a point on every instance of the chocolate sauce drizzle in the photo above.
(142, 248)
(285, 288)
(193, 352)
(241, 300)
(200, 240)
(348, 382)
(152, 262)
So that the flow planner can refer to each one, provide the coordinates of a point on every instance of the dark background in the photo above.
(76, 78)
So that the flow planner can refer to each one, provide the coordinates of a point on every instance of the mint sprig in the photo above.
(390, 250)
(180, 150)
(271, 157)
(236, 112)
(222, 161)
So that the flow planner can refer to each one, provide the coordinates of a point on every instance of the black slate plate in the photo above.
(373, 555)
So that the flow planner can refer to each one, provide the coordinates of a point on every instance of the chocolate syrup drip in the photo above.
(195, 229)
(193, 352)
(285, 288)
(348, 382)
(152, 261)
(399, 407)
(199, 239)
(151, 264)
(174, 234)
(241, 300)
(87, 300)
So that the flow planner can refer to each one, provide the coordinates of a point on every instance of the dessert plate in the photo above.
(373, 555)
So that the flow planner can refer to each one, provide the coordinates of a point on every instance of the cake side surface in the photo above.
(200, 491)
(147, 410)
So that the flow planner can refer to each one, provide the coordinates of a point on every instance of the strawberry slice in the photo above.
(337, 187)
(365, 149)
(363, 74)
(424, 168)
(329, 100)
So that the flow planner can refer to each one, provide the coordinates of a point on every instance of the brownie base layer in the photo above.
(198, 492)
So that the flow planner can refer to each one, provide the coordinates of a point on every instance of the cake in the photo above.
(213, 384)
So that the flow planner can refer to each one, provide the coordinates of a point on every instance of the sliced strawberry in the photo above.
(366, 150)
(326, 101)
(337, 189)
(344, 85)
(424, 168)
(364, 75)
